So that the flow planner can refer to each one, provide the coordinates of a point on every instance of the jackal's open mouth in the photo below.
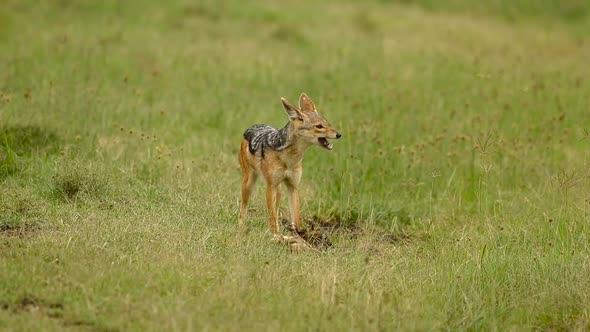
(324, 142)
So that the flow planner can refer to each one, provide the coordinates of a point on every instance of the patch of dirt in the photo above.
(54, 310)
(18, 214)
(319, 231)
(20, 232)
(32, 305)
(27, 304)
(82, 323)
(13, 224)
(397, 238)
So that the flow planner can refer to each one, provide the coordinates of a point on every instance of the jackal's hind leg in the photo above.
(248, 182)
(278, 198)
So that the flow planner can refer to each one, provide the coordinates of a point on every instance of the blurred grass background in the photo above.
(463, 163)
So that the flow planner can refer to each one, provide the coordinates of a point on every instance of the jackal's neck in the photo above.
(294, 145)
(285, 135)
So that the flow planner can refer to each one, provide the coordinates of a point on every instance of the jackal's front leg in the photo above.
(293, 189)
(294, 205)
(272, 205)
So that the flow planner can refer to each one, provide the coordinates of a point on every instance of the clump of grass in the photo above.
(365, 23)
(212, 13)
(74, 181)
(289, 34)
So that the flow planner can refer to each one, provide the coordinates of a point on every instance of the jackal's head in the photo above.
(308, 124)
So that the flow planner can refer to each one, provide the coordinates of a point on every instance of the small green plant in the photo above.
(485, 144)
(565, 181)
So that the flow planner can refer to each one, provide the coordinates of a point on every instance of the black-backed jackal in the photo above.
(277, 155)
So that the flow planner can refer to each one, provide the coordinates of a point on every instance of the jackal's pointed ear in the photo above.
(292, 111)
(305, 104)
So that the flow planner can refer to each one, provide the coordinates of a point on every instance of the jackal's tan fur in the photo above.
(277, 155)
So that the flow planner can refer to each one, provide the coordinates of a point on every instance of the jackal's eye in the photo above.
(319, 127)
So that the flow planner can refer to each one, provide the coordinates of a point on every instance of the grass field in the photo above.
(459, 194)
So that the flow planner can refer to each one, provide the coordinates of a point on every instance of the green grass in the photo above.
(463, 174)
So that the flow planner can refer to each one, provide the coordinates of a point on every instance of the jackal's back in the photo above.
(261, 137)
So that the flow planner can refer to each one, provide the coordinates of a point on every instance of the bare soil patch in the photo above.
(319, 232)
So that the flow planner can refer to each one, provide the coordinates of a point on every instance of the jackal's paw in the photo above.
(288, 225)
(283, 238)
(295, 242)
